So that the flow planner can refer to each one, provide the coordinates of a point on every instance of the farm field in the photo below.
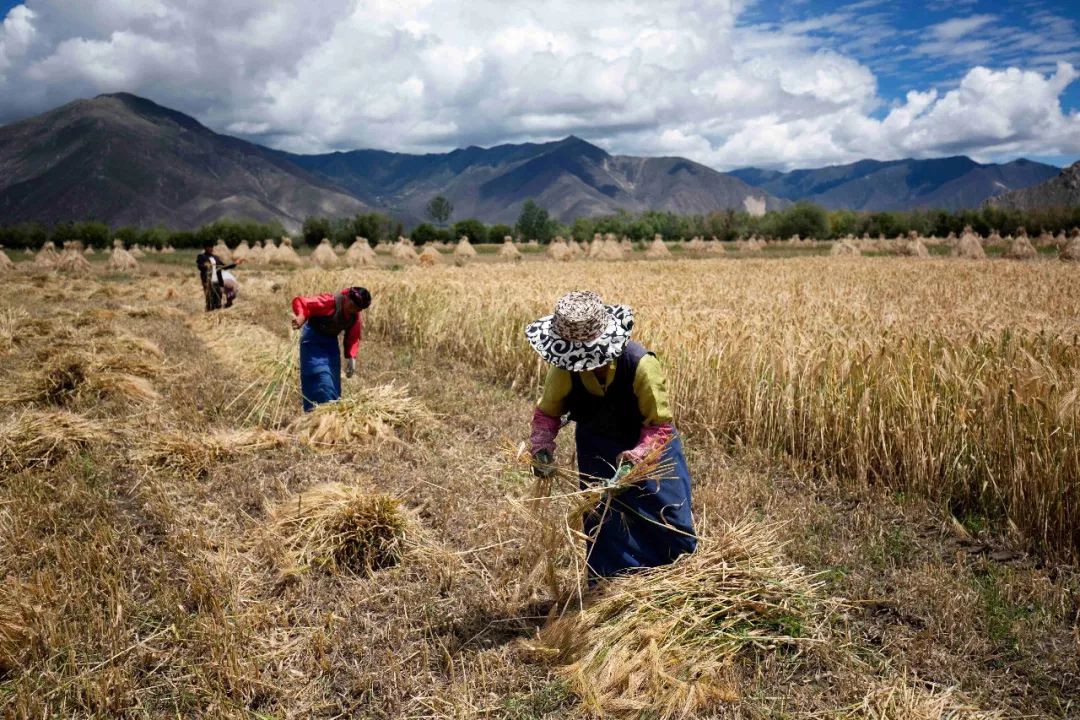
(891, 442)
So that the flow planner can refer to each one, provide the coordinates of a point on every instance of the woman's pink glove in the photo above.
(652, 437)
(544, 431)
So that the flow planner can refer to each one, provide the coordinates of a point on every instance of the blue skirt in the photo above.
(320, 368)
(642, 526)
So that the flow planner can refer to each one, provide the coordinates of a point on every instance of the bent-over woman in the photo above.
(323, 318)
(615, 391)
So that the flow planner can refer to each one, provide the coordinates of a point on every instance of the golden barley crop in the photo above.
(959, 380)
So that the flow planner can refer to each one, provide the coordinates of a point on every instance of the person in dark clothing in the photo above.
(323, 318)
(615, 392)
(214, 286)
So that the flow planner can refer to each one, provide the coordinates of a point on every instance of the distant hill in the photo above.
(124, 160)
(951, 183)
(571, 178)
(1060, 191)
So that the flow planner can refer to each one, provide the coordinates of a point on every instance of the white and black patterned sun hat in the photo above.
(583, 333)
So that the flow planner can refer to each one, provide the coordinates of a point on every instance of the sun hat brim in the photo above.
(581, 356)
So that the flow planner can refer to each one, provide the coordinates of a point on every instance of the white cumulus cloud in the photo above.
(636, 76)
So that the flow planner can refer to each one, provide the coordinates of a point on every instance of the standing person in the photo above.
(615, 391)
(214, 285)
(324, 317)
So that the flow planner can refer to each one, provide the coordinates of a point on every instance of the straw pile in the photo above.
(697, 246)
(121, 259)
(324, 255)
(968, 246)
(35, 438)
(365, 415)
(242, 251)
(89, 250)
(256, 255)
(223, 252)
(657, 248)
(1070, 251)
(5, 262)
(194, 455)
(339, 249)
(360, 254)
(559, 251)
(575, 248)
(95, 372)
(71, 260)
(285, 255)
(509, 251)
(608, 249)
(1021, 248)
(46, 257)
(168, 250)
(464, 248)
(914, 246)
(403, 251)
(664, 641)
(340, 528)
(430, 256)
(137, 252)
(845, 248)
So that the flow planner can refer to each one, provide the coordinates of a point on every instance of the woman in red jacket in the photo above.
(323, 318)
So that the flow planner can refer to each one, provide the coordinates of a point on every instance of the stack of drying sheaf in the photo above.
(968, 246)
(360, 254)
(404, 251)
(509, 251)
(657, 249)
(72, 260)
(324, 255)
(121, 259)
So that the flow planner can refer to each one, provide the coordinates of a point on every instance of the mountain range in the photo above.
(1062, 190)
(125, 160)
(951, 183)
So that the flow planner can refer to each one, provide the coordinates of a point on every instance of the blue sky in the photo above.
(726, 82)
(916, 45)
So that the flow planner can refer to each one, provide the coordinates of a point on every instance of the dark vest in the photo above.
(616, 414)
(333, 325)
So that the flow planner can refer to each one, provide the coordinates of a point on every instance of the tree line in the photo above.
(535, 223)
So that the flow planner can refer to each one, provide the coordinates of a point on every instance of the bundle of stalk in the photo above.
(269, 363)
(666, 640)
(100, 368)
(39, 439)
(194, 455)
(340, 528)
(555, 513)
(364, 415)
(902, 699)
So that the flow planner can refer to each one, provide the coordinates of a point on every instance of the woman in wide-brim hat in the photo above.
(324, 318)
(615, 391)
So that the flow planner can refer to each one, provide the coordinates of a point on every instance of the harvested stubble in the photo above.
(100, 370)
(901, 699)
(364, 415)
(17, 632)
(340, 528)
(666, 641)
(39, 439)
(193, 455)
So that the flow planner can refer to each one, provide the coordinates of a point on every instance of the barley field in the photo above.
(887, 487)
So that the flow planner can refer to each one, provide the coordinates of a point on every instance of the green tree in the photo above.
(534, 223)
(440, 209)
(476, 230)
(425, 233)
(315, 229)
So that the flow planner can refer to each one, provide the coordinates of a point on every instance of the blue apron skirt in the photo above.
(320, 368)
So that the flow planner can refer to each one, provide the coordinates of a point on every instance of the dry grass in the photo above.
(193, 454)
(340, 528)
(33, 438)
(898, 699)
(364, 415)
(666, 641)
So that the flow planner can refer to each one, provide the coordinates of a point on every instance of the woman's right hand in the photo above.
(298, 322)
